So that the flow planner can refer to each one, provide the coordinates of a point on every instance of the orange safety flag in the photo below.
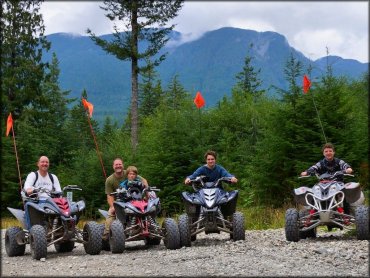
(88, 106)
(9, 124)
(199, 100)
(306, 84)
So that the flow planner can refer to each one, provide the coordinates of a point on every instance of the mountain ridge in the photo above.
(208, 64)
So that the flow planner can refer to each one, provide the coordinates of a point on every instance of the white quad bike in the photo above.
(330, 203)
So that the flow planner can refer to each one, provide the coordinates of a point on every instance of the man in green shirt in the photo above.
(111, 184)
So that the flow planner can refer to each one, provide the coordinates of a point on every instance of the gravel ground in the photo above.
(263, 253)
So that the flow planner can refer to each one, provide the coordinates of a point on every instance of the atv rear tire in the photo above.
(238, 232)
(117, 237)
(362, 223)
(292, 225)
(184, 230)
(171, 234)
(63, 247)
(11, 245)
(92, 238)
(38, 242)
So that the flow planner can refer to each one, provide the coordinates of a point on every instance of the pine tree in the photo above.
(150, 91)
(145, 21)
(23, 41)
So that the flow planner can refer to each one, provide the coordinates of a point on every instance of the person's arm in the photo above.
(198, 172)
(110, 198)
(312, 170)
(225, 173)
(28, 184)
(56, 184)
(345, 167)
(143, 181)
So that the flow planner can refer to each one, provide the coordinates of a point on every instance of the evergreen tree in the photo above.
(22, 43)
(150, 91)
(145, 21)
(248, 80)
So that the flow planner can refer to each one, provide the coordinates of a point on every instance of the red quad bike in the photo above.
(51, 221)
(135, 220)
(331, 203)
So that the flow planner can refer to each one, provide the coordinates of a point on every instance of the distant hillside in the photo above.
(208, 64)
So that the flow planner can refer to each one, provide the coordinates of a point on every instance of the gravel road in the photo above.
(263, 253)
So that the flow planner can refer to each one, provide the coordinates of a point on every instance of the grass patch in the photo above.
(262, 218)
(7, 222)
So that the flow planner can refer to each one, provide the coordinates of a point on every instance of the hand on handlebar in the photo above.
(187, 181)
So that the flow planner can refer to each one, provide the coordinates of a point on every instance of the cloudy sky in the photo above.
(310, 27)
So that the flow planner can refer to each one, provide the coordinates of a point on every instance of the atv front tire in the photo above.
(11, 245)
(171, 234)
(238, 232)
(92, 238)
(117, 237)
(184, 229)
(38, 242)
(362, 223)
(292, 225)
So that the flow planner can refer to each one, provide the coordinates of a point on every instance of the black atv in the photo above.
(51, 221)
(210, 209)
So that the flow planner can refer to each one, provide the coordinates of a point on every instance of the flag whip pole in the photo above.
(87, 109)
(318, 116)
(306, 88)
(16, 156)
(96, 146)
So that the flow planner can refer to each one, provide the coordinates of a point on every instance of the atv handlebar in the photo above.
(199, 182)
(327, 175)
(72, 187)
(35, 193)
(127, 193)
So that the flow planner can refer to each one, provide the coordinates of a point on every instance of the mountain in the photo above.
(208, 64)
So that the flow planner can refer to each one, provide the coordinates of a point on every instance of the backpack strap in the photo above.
(37, 176)
(52, 179)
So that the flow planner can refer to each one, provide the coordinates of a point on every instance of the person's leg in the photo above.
(108, 222)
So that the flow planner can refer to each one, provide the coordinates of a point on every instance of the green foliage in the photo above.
(145, 21)
(22, 42)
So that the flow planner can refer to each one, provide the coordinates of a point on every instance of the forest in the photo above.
(264, 141)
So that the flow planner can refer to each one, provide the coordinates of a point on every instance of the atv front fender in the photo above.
(76, 207)
(187, 196)
(19, 214)
(229, 207)
(104, 213)
(300, 194)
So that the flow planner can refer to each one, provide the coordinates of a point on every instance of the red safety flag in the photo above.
(306, 84)
(9, 124)
(88, 106)
(199, 100)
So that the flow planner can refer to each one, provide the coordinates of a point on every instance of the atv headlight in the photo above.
(50, 211)
(196, 201)
(152, 209)
(128, 211)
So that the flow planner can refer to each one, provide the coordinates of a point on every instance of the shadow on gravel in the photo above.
(328, 238)
(209, 241)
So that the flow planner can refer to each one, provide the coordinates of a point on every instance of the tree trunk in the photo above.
(134, 80)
